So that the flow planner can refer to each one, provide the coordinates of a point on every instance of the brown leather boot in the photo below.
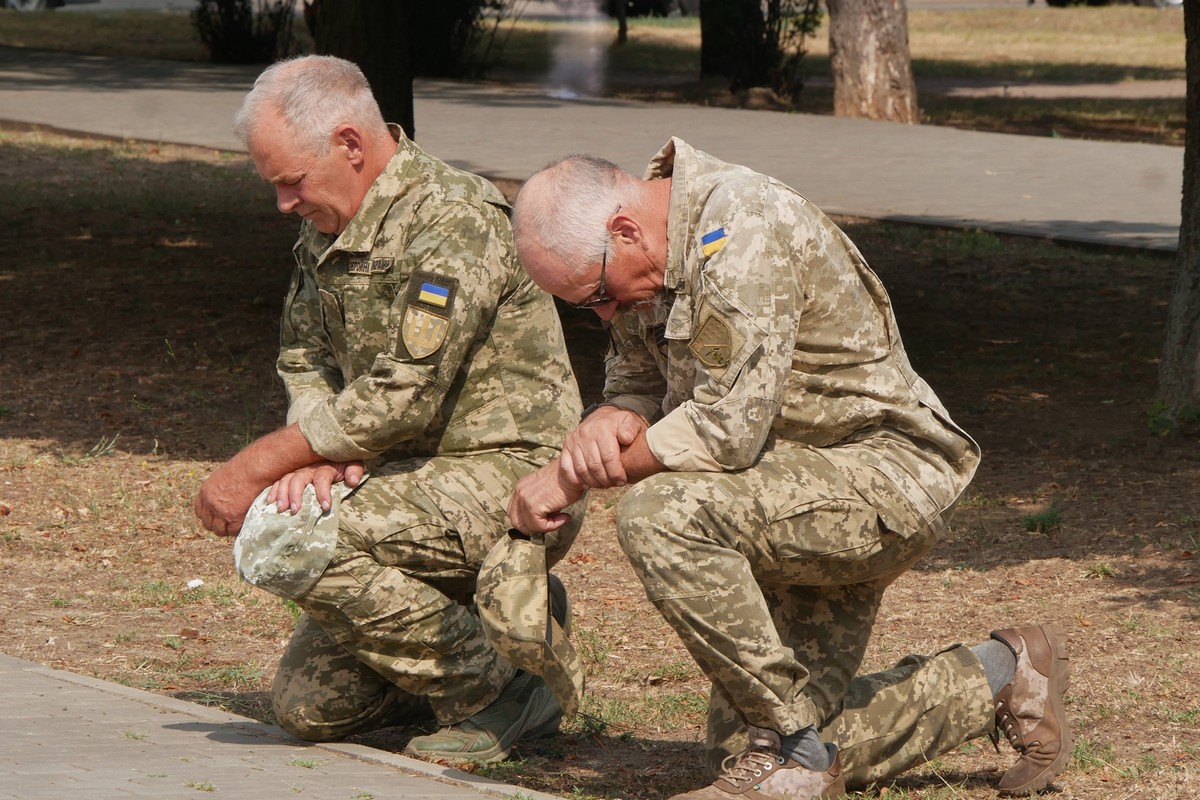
(1029, 710)
(763, 772)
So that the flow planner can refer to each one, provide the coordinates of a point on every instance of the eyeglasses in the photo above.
(600, 297)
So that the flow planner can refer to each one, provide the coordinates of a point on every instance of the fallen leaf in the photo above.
(189, 633)
(5, 509)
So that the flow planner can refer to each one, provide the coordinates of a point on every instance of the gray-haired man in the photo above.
(413, 344)
(785, 463)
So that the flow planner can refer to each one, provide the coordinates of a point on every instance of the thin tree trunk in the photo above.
(372, 34)
(1179, 370)
(870, 61)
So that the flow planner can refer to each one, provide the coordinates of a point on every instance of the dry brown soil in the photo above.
(139, 289)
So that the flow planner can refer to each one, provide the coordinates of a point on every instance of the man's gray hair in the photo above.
(313, 95)
(565, 207)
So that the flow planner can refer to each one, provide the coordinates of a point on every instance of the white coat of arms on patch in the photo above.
(423, 332)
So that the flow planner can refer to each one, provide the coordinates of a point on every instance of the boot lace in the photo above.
(748, 766)
(1008, 725)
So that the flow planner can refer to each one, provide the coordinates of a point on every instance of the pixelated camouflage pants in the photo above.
(888, 721)
(392, 611)
(772, 576)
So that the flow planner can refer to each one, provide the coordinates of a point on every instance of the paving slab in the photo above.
(1099, 192)
(67, 736)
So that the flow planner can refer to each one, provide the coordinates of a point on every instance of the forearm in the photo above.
(228, 493)
(269, 458)
(639, 462)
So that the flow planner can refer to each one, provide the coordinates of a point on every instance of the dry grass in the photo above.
(137, 355)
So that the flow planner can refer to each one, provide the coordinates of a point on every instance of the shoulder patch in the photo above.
(713, 343)
(712, 241)
(429, 301)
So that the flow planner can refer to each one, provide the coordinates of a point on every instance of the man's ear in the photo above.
(624, 226)
(349, 140)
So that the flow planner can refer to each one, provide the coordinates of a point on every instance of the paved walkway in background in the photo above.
(1101, 192)
(68, 737)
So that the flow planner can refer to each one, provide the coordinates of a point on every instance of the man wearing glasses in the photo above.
(785, 464)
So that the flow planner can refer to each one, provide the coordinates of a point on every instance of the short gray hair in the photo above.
(565, 206)
(313, 95)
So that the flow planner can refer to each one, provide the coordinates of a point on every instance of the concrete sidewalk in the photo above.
(69, 737)
(1099, 192)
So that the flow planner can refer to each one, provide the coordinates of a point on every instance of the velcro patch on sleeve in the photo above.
(428, 304)
(713, 241)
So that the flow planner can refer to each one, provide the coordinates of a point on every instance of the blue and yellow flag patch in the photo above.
(712, 241)
(433, 294)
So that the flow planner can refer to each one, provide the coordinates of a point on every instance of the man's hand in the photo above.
(591, 454)
(228, 493)
(287, 492)
(224, 499)
(538, 500)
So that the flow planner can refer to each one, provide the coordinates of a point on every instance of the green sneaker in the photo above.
(525, 708)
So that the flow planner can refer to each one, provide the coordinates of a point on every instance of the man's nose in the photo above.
(607, 310)
(286, 199)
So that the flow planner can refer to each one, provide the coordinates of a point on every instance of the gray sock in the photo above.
(806, 748)
(999, 663)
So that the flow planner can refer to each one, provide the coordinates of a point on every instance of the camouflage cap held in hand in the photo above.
(513, 595)
(286, 553)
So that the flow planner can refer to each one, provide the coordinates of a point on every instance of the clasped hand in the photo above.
(591, 458)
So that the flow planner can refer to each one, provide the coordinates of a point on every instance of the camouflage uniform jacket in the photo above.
(415, 332)
(778, 334)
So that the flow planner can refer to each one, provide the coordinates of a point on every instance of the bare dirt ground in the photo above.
(140, 287)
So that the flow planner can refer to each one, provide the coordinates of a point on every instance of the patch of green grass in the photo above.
(136, 736)
(1101, 569)
(1043, 521)
(238, 676)
(591, 645)
(674, 705)
(154, 594)
(293, 608)
(305, 763)
(200, 786)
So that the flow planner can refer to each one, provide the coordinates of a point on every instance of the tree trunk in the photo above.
(372, 34)
(723, 43)
(1179, 370)
(869, 58)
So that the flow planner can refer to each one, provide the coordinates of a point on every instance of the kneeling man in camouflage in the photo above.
(785, 464)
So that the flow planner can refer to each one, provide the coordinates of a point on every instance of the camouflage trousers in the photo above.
(772, 576)
(389, 633)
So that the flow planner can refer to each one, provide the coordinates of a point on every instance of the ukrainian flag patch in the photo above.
(433, 294)
(713, 241)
